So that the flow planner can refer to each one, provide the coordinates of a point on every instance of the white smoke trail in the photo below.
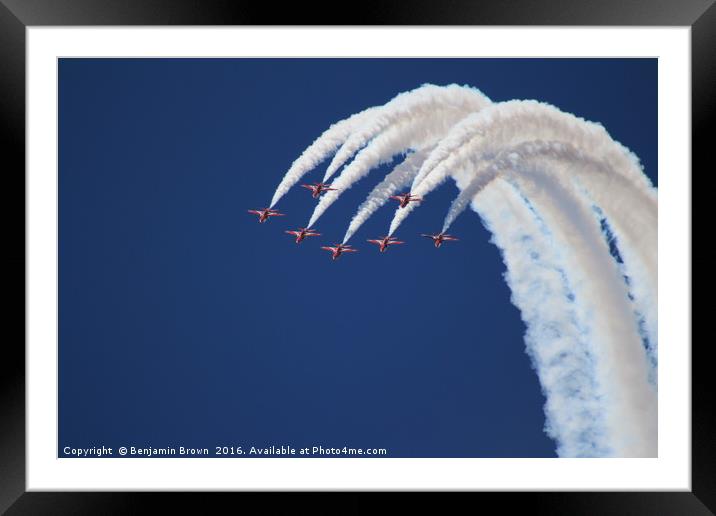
(482, 135)
(414, 133)
(599, 181)
(468, 193)
(398, 178)
(425, 100)
(556, 343)
(636, 243)
(629, 401)
(320, 149)
(630, 221)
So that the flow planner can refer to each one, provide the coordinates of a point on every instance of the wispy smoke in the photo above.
(481, 135)
(415, 133)
(601, 298)
(320, 149)
(399, 177)
(556, 341)
(631, 214)
(425, 100)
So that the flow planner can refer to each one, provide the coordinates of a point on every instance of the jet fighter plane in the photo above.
(302, 233)
(406, 198)
(384, 242)
(339, 249)
(266, 213)
(440, 238)
(318, 188)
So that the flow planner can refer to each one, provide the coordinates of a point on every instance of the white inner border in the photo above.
(670, 471)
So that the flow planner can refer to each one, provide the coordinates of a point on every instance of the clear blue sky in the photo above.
(184, 322)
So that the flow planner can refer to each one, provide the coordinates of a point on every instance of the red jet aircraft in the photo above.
(266, 213)
(440, 238)
(339, 249)
(318, 188)
(385, 242)
(302, 233)
(405, 198)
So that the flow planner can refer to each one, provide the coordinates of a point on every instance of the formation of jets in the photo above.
(337, 250)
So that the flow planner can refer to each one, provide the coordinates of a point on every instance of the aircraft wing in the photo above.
(332, 249)
(276, 214)
(255, 212)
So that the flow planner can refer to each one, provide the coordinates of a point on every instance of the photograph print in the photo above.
(357, 258)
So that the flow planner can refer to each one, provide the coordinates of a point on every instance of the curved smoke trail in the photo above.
(416, 132)
(481, 135)
(400, 177)
(552, 188)
(320, 149)
(555, 341)
(631, 223)
(425, 100)
(620, 188)
(604, 308)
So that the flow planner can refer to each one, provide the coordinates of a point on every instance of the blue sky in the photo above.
(184, 322)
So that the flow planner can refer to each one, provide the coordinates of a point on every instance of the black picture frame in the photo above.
(16, 15)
